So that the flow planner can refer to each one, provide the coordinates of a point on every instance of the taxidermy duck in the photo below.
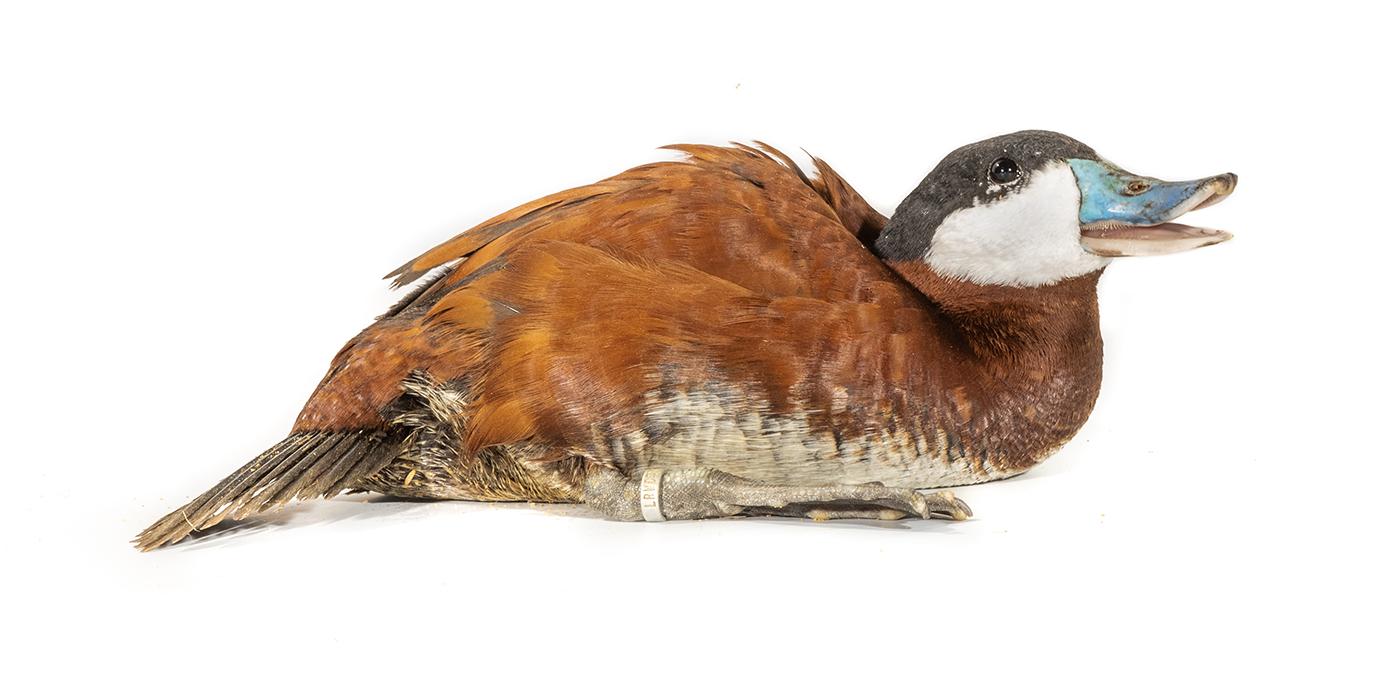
(726, 335)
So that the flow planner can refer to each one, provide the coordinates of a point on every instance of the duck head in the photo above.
(1036, 207)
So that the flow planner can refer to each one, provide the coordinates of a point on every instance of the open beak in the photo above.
(1122, 214)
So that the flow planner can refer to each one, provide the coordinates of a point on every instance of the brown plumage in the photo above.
(723, 313)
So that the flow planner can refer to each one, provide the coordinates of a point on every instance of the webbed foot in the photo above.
(686, 494)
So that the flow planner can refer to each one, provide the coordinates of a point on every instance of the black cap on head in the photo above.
(978, 172)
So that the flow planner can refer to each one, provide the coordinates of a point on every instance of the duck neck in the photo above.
(1032, 360)
(1016, 327)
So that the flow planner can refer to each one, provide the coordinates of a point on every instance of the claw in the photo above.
(964, 511)
(951, 507)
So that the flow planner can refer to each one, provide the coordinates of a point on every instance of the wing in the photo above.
(743, 216)
(578, 348)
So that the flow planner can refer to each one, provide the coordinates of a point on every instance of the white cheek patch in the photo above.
(1027, 239)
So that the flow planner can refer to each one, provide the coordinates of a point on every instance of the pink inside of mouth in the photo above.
(1162, 239)
(1169, 231)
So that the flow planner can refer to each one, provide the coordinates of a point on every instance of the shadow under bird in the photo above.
(727, 335)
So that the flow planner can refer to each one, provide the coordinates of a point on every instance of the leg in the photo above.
(687, 494)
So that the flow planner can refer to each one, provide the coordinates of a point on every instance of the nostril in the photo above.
(1137, 187)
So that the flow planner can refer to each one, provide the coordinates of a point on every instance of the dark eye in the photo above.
(1004, 170)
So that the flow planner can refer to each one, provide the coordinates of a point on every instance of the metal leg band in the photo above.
(650, 493)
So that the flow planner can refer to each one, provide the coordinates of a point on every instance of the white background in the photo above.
(197, 204)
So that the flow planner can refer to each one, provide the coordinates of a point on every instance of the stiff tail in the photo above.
(304, 465)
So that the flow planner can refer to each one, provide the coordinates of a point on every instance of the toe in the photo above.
(943, 504)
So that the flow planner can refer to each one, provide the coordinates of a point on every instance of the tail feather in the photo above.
(255, 481)
(304, 465)
(375, 457)
(269, 490)
(298, 488)
(265, 460)
(200, 512)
